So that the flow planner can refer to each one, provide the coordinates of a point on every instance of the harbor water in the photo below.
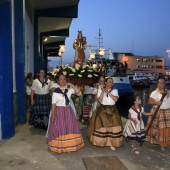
(144, 93)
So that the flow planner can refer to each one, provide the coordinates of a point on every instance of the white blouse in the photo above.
(59, 99)
(38, 89)
(54, 85)
(107, 100)
(157, 97)
(134, 115)
(95, 91)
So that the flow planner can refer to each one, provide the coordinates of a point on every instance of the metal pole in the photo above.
(61, 60)
(169, 61)
(168, 51)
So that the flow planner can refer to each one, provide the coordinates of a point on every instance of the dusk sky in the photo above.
(141, 27)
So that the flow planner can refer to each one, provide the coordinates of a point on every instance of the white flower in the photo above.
(89, 76)
(64, 72)
(71, 74)
(89, 70)
(77, 66)
(82, 71)
(84, 66)
(95, 75)
(64, 67)
(79, 75)
(73, 70)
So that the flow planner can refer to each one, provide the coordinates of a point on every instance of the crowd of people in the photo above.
(49, 102)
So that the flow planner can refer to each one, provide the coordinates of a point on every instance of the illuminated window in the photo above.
(138, 60)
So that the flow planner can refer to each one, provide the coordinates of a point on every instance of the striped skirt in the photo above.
(159, 132)
(134, 132)
(105, 127)
(64, 133)
(41, 110)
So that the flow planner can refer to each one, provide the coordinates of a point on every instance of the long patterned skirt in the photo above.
(64, 133)
(159, 132)
(105, 127)
(41, 110)
(134, 132)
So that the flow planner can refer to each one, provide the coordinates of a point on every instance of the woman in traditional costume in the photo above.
(159, 132)
(64, 133)
(41, 101)
(134, 129)
(100, 84)
(105, 127)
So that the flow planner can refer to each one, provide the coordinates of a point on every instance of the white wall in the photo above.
(29, 45)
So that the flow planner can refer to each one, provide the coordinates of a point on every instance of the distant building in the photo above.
(143, 63)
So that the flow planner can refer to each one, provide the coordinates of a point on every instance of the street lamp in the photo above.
(168, 51)
(60, 53)
(62, 48)
(101, 53)
(92, 56)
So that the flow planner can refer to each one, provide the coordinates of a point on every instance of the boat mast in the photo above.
(100, 38)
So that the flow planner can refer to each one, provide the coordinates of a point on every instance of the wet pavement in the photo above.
(28, 150)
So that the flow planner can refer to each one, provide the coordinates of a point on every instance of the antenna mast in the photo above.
(100, 38)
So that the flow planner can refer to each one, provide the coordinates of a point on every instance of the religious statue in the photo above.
(79, 45)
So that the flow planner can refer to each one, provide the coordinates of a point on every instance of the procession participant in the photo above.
(55, 85)
(28, 83)
(64, 133)
(100, 84)
(134, 129)
(105, 127)
(36, 75)
(159, 132)
(41, 101)
(79, 102)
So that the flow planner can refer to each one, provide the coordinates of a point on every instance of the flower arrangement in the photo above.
(79, 72)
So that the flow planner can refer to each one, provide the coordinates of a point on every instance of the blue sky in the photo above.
(138, 26)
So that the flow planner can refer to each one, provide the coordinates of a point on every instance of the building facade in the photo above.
(23, 26)
(146, 64)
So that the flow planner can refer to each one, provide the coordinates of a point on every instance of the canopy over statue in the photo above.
(79, 45)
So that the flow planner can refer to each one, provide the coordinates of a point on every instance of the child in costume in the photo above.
(134, 129)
